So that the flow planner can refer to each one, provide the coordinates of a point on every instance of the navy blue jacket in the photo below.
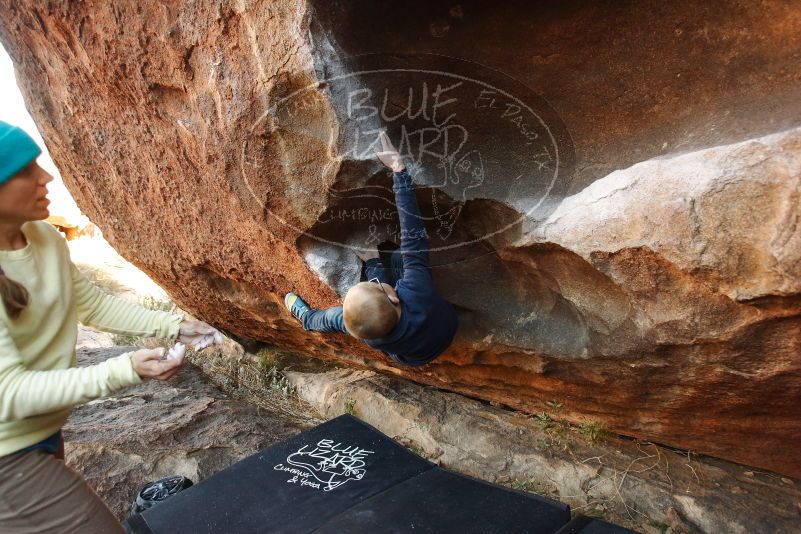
(428, 322)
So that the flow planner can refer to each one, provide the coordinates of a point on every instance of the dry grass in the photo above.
(258, 379)
(149, 303)
(102, 279)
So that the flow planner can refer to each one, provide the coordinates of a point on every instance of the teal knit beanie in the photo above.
(17, 150)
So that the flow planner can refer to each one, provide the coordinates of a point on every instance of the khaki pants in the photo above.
(40, 494)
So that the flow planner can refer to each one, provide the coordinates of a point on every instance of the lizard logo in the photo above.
(328, 463)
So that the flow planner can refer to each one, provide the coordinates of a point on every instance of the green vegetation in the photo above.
(349, 406)
(593, 431)
(594, 512)
(544, 420)
(555, 428)
(554, 405)
(269, 370)
(529, 485)
(269, 364)
(532, 485)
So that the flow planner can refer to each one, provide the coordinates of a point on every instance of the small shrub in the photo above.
(349, 406)
(594, 511)
(269, 370)
(269, 365)
(554, 405)
(532, 485)
(593, 431)
(544, 420)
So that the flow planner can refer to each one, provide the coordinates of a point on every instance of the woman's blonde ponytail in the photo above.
(14, 295)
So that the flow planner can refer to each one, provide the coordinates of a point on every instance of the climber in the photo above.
(397, 311)
(44, 296)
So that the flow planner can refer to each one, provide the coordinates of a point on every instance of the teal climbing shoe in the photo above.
(296, 305)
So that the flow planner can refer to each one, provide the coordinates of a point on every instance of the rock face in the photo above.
(611, 191)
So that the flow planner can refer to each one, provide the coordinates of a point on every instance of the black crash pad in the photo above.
(345, 476)
(442, 501)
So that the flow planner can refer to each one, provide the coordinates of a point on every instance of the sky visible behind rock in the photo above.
(13, 112)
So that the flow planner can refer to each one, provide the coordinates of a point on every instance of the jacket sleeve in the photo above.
(25, 393)
(414, 239)
(100, 310)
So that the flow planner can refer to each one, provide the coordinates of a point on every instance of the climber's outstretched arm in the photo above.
(414, 239)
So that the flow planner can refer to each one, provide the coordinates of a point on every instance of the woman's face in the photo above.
(23, 198)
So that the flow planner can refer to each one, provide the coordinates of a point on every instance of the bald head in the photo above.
(368, 312)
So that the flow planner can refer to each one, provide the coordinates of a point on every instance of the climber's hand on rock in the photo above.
(388, 155)
(148, 363)
(365, 254)
(198, 334)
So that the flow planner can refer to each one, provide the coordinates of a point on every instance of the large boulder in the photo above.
(612, 191)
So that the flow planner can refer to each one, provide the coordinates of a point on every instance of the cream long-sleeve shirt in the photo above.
(39, 380)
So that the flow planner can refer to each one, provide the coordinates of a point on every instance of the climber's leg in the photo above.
(373, 268)
(330, 320)
(296, 305)
(388, 270)
(395, 271)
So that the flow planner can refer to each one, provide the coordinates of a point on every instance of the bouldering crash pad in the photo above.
(346, 476)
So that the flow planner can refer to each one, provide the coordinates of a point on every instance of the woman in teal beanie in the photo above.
(44, 296)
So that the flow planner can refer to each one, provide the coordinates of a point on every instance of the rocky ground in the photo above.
(641, 485)
(186, 426)
(228, 404)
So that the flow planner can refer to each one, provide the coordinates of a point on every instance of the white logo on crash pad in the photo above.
(326, 465)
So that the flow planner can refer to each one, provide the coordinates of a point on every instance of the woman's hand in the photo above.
(388, 155)
(148, 363)
(198, 334)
